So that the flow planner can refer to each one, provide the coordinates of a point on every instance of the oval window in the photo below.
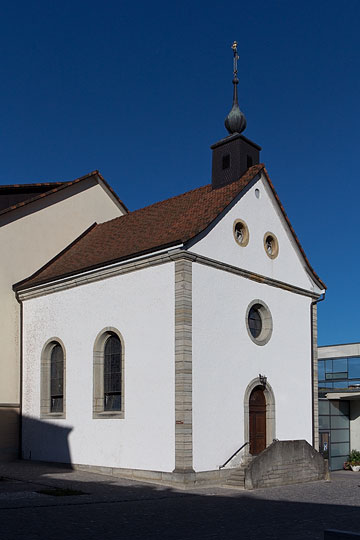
(271, 245)
(241, 232)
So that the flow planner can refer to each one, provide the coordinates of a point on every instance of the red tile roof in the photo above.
(50, 188)
(163, 224)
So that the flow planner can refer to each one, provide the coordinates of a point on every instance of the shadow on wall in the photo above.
(45, 441)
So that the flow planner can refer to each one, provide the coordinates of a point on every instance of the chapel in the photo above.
(177, 343)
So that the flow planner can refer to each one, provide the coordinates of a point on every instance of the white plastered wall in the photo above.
(261, 215)
(140, 305)
(225, 360)
(29, 241)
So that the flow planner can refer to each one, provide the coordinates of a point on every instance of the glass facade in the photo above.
(339, 373)
(336, 374)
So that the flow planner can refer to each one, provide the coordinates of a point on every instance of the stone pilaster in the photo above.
(183, 367)
(315, 377)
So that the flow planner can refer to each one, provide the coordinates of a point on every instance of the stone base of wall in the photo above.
(286, 462)
(282, 463)
(9, 432)
(183, 480)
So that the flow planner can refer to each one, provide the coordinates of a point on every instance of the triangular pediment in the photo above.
(257, 216)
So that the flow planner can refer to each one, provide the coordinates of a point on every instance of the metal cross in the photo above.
(236, 57)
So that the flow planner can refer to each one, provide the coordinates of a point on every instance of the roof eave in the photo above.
(312, 272)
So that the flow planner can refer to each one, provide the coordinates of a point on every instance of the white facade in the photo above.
(140, 303)
(225, 361)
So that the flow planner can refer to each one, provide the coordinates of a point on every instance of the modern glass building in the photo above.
(339, 401)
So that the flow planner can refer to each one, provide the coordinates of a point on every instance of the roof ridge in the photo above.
(35, 184)
(157, 203)
(172, 198)
(132, 212)
(57, 182)
(41, 195)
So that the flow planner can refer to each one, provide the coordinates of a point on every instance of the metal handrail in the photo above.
(234, 454)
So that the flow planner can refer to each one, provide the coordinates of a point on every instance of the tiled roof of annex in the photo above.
(163, 224)
(43, 189)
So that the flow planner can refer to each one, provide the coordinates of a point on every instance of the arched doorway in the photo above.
(257, 420)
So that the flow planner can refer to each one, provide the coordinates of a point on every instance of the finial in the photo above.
(235, 122)
(236, 58)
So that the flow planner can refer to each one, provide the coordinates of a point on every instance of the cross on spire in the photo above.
(236, 58)
(235, 122)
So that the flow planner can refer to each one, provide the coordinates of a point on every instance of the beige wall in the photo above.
(30, 237)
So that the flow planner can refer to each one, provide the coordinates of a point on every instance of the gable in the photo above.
(194, 218)
(161, 225)
(32, 234)
(259, 210)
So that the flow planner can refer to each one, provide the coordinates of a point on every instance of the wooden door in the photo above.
(257, 411)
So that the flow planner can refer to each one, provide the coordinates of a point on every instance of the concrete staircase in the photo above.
(281, 463)
(236, 479)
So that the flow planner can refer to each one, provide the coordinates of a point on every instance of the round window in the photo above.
(271, 245)
(241, 232)
(259, 322)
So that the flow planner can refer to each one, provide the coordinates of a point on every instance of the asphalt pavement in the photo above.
(42, 501)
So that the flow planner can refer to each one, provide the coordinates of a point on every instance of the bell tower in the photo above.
(234, 154)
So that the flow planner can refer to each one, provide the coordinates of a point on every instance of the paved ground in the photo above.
(120, 509)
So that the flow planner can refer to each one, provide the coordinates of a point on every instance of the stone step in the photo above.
(236, 478)
(237, 474)
(236, 483)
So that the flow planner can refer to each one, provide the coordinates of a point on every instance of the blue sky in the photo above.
(140, 90)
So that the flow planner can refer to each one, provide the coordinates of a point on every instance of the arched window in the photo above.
(112, 374)
(108, 390)
(57, 379)
(52, 390)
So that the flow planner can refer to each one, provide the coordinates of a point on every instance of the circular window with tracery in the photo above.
(271, 245)
(259, 322)
(241, 232)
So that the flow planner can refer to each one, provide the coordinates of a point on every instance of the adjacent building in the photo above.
(339, 401)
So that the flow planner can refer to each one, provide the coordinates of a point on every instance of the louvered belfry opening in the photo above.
(231, 158)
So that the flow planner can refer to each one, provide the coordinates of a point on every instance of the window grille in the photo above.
(255, 322)
(57, 379)
(112, 374)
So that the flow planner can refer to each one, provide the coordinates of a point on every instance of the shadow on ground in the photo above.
(125, 509)
(129, 510)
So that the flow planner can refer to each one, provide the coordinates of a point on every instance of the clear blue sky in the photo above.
(140, 90)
